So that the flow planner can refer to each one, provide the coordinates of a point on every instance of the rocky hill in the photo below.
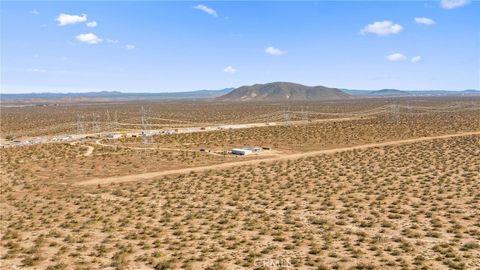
(278, 91)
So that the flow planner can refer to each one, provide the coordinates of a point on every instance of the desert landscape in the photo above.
(239, 135)
(371, 183)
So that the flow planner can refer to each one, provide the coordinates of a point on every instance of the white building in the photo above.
(246, 150)
(114, 136)
(241, 151)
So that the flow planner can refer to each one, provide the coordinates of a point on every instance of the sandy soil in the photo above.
(144, 176)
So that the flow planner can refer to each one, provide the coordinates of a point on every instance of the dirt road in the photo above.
(144, 176)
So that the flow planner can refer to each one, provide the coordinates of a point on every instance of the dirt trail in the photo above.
(144, 176)
(89, 150)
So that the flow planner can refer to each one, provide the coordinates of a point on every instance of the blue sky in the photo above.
(157, 46)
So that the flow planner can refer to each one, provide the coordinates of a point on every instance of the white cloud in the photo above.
(451, 4)
(34, 12)
(114, 41)
(129, 46)
(425, 21)
(230, 70)
(416, 59)
(92, 24)
(64, 19)
(396, 57)
(274, 51)
(39, 70)
(383, 28)
(89, 38)
(207, 10)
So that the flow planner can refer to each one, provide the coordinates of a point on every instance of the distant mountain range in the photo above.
(275, 91)
(403, 93)
(115, 96)
(278, 91)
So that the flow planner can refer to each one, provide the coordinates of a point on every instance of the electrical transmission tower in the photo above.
(115, 122)
(409, 107)
(146, 128)
(80, 128)
(95, 126)
(304, 114)
(109, 123)
(395, 112)
(286, 114)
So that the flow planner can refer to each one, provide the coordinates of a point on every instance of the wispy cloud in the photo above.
(230, 70)
(65, 19)
(129, 46)
(34, 12)
(274, 51)
(207, 10)
(425, 21)
(383, 28)
(91, 24)
(416, 59)
(89, 38)
(396, 57)
(113, 41)
(38, 70)
(452, 4)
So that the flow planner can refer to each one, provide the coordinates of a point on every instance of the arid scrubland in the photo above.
(62, 118)
(407, 206)
(330, 134)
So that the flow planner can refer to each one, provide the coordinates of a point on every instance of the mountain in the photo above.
(114, 96)
(277, 91)
(471, 92)
(270, 91)
(404, 93)
(444, 93)
(389, 93)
